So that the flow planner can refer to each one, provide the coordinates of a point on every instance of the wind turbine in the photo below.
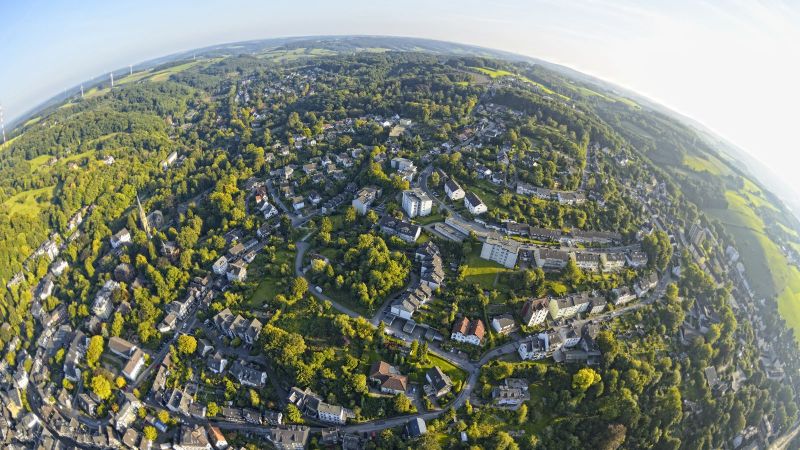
(3, 124)
(130, 69)
(112, 78)
(81, 90)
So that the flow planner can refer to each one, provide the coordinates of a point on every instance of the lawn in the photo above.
(768, 271)
(452, 371)
(163, 75)
(30, 202)
(482, 271)
(269, 286)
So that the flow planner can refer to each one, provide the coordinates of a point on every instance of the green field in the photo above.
(28, 202)
(494, 73)
(706, 164)
(269, 285)
(768, 271)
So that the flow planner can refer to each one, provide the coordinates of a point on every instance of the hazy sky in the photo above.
(733, 65)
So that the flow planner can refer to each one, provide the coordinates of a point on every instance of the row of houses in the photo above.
(566, 344)
(535, 311)
(563, 197)
(312, 405)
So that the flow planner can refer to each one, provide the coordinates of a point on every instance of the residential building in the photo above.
(587, 261)
(550, 259)
(237, 271)
(622, 295)
(474, 204)
(533, 347)
(134, 366)
(192, 437)
(364, 198)
(121, 347)
(220, 266)
(406, 231)
(636, 260)
(504, 324)
(216, 438)
(613, 261)
(388, 378)
(468, 331)
(535, 311)
(293, 437)
(416, 427)
(237, 326)
(416, 203)
(102, 302)
(568, 306)
(501, 251)
(511, 394)
(248, 376)
(439, 383)
(217, 362)
(120, 238)
(453, 190)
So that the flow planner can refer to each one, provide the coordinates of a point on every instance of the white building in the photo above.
(122, 236)
(453, 190)
(416, 203)
(220, 266)
(474, 204)
(535, 311)
(503, 252)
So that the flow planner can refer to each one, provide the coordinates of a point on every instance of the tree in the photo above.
(504, 441)
(584, 379)
(401, 403)
(293, 414)
(94, 350)
(212, 409)
(299, 288)
(255, 400)
(117, 324)
(187, 344)
(435, 179)
(522, 413)
(120, 382)
(359, 383)
(350, 214)
(150, 433)
(614, 437)
(101, 386)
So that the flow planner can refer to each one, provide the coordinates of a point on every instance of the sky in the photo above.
(732, 65)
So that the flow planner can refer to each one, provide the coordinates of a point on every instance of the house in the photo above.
(388, 378)
(191, 437)
(331, 413)
(127, 414)
(622, 295)
(269, 210)
(58, 267)
(293, 437)
(587, 261)
(168, 323)
(535, 311)
(401, 164)
(120, 238)
(87, 403)
(597, 305)
(216, 363)
(314, 198)
(409, 301)
(613, 261)
(453, 190)
(248, 376)
(501, 251)
(645, 284)
(237, 271)
(170, 159)
(504, 324)
(220, 266)
(511, 394)
(216, 438)
(636, 260)
(101, 307)
(533, 347)
(365, 197)
(121, 347)
(298, 203)
(416, 203)
(46, 288)
(468, 331)
(416, 427)
(134, 366)
(406, 231)
(238, 326)
(568, 306)
(438, 382)
(77, 348)
(474, 204)
(550, 259)
(130, 438)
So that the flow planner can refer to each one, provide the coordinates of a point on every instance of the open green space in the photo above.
(706, 163)
(30, 202)
(482, 271)
(494, 73)
(270, 285)
(768, 270)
